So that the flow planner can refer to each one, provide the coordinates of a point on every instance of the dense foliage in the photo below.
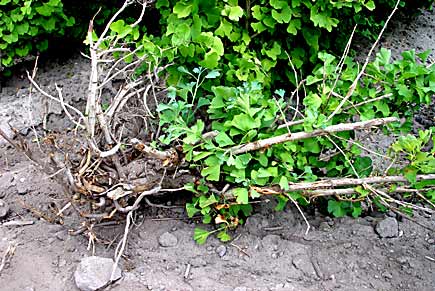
(28, 27)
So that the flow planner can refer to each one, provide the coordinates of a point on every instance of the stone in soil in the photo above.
(94, 273)
(221, 251)
(388, 228)
(168, 240)
(4, 209)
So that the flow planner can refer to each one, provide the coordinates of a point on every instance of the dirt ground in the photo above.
(271, 252)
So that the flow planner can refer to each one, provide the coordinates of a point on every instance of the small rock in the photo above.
(94, 273)
(402, 260)
(22, 186)
(303, 263)
(387, 275)
(388, 228)
(55, 228)
(324, 226)
(4, 209)
(198, 262)
(61, 235)
(391, 214)
(431, 241)
(168, 240)
(221, 250)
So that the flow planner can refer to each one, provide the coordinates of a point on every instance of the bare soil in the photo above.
(270, 252)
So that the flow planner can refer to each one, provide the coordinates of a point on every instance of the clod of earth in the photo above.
(388, 228)
(94, 273)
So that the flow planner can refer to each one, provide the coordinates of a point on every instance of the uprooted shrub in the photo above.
(231, 141)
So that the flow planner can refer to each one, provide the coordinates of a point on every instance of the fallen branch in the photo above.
(343, 182)
(259, 144)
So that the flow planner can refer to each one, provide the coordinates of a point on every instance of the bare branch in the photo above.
(256, 145)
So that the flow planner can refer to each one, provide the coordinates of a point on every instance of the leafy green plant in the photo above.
(411, 148)
(244, 114)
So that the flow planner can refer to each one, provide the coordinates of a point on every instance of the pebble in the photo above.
(22, 187)
(402, 260)
(431, 241)
(387, 275)
(61, 235)
(324, 226)
(221, 250)
(388, 228)
(93, 273)
(4, 209)
(54, 228)
(167, 240)
(198, 262)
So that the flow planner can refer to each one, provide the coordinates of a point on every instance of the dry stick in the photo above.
(390, 199)
(342, 61)
(332, 183)
(66, 105)
(291, 123)
(7, 255)
(35, 68)
(301, 212)
(256, 145)
(355, 82)
(348, 191)
(368, 101)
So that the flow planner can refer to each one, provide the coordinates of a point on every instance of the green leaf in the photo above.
(245, 122)
(356, 209)
(335, 208)
(213, 74)
(235, 13)
(224, 140)
(242, 195)
(191, 209)
(313, 101)
(182, 9)
(370, 5)
(282, 202)
(210, 60)
(410, 174)
(283, 183)
(212, 172)
(121, 28)
(363, 166)
(44, 10)
(200, 235)
(223, 236)
(205, 201)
